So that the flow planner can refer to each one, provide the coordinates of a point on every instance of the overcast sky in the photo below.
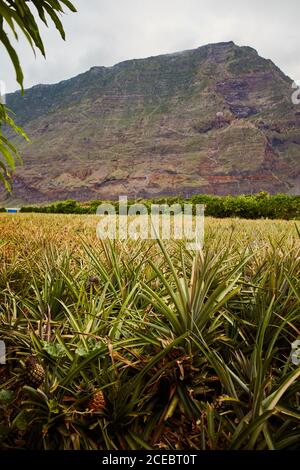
(105, 32)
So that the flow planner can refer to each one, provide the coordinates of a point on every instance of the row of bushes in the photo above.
(261, 205)
(256, 206)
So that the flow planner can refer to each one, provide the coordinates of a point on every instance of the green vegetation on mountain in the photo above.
(217, 120)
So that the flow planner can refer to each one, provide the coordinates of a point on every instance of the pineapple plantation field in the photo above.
(145, 345)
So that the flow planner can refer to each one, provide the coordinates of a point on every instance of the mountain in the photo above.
(218, 119)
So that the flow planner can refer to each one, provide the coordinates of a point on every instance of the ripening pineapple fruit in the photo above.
(34, 372)
(97, 402)
(92, 284)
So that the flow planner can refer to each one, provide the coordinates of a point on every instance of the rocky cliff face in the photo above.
(217, 119)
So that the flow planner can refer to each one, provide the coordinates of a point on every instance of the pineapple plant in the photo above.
(177, 354)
